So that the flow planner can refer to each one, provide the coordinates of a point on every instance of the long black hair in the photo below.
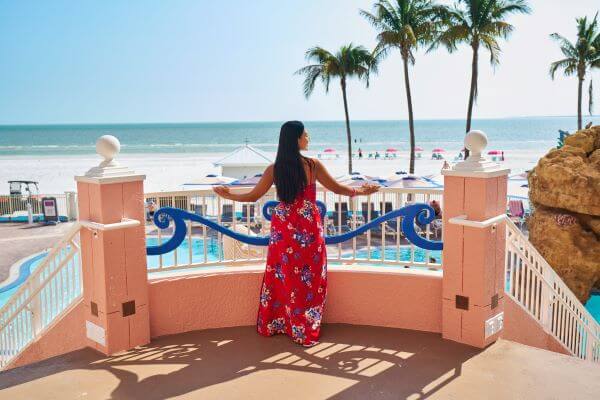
(289, 176)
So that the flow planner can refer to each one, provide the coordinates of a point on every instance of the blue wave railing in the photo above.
(421, 213)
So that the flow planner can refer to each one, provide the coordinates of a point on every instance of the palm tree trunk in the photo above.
(348, 133)
(411, 122)
(473, 91)
(579, 99)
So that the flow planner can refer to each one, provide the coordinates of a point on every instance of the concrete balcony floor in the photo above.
(351, 362)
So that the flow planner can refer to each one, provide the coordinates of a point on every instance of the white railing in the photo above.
(533, 284)
(386, 245)
(16, 206)
(47, 294)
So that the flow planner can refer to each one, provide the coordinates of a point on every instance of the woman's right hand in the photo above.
(368, 188)
(222, 191)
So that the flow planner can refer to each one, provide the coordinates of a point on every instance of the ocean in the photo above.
(530, 133)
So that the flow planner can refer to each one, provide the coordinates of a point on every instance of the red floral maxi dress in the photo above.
(294, 286)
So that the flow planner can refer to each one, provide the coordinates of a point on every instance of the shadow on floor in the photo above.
(350, 362)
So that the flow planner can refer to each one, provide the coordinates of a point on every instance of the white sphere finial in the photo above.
(476, 142)
(108, 147)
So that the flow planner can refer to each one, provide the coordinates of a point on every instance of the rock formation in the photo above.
(564, 189)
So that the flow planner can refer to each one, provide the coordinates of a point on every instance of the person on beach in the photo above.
(294, 286)
(359, 153)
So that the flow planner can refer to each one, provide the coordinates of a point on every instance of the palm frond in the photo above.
(569, 65)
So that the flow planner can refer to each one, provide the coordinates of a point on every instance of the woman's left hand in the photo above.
(222, 191)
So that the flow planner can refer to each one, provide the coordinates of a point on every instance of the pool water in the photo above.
(26, 269)
(593, 305)
(390, 254)
(183, 252)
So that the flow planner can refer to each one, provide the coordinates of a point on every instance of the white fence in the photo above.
(16, 206)
(385, 245)
(47, 294)
(534, 285)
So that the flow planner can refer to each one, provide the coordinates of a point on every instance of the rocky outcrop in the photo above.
(564, 189)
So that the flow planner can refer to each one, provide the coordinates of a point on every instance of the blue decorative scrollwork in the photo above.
(421, 213)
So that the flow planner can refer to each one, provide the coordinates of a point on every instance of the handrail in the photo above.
(421, 213)
(579, 332)
(45, 296)
(125, 223)
(241, 189)
(462, 220)
(39, 270)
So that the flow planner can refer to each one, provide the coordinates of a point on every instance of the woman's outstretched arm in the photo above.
(262, 187)
(331, 184)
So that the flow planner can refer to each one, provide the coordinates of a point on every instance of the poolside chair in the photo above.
(235, 249)
(245, 209)
(199, 209)
(227, 214)
(516, 212)
(365, 207)
(339, 219)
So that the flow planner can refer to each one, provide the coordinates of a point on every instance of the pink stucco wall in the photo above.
(405, 299)
(66, 335)
(399, 300)
(522, 328)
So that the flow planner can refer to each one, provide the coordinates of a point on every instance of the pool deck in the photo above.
(351, 362)
(18, 240)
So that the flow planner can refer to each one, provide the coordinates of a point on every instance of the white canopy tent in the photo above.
(245, 161)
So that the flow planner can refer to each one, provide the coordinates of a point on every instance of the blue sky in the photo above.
(186, 61)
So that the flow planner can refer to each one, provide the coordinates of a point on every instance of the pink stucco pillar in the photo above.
(474, 247)
(113, 253)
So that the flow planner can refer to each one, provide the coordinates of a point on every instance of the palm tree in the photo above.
(349, 61)
(404, 25)
(580, 57)
(478, 23)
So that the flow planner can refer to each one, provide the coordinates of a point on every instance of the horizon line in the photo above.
(3, 125)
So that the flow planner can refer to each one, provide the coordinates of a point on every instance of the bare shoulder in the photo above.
(313, 162)
(270, 169)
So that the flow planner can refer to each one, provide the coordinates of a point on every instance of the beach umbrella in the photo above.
(438, 150)
(413, 181)
(251, 181)
(396, 175)
(418, 148)
(211, 179)
(494, 152)
(329, 150)
(391, 150)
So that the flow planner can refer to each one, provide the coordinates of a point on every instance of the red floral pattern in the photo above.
(294, 286)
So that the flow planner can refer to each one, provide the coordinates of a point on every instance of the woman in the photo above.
(294, 286)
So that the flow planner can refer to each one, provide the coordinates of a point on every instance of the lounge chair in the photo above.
(365, 214)
(248, 209)
(235, 249)
(227, 214)
(340, 220)
(516, 212)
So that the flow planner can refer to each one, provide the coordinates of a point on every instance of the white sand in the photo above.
(169, 171)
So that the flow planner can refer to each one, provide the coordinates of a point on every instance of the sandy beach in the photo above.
(167, 172)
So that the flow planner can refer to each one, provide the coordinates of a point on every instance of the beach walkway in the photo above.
(351, 362)
(18, 240)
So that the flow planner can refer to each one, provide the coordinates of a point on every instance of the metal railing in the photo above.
(47, 294)
(16, 206)
(206, 247)
(533, 284)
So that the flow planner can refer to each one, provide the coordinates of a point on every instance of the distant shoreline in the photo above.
(194, 123)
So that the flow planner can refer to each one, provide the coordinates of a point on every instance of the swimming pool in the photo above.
(390, 254)
(183, 252)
